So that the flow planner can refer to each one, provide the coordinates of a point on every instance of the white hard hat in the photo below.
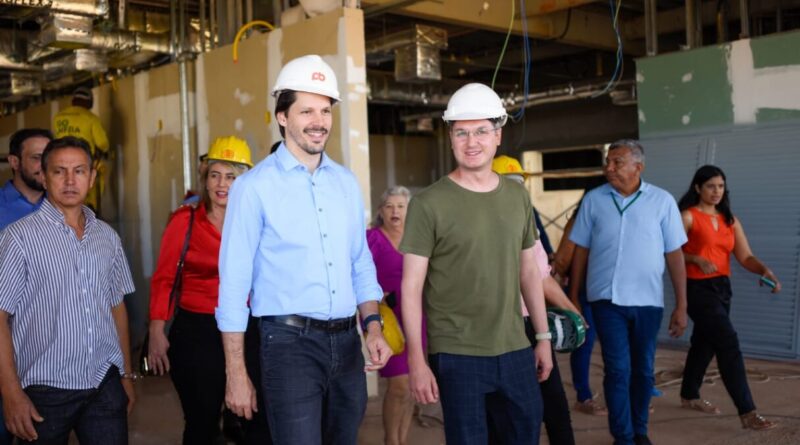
(475, 101)
(309, 74)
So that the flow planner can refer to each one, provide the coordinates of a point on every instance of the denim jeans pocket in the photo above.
(279, 333)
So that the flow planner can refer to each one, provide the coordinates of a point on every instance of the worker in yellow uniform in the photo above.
(79, 121)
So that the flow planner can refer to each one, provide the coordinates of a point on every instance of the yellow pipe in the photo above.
(241, 33)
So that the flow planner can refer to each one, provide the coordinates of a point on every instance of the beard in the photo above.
(307, 146)
(31, 182)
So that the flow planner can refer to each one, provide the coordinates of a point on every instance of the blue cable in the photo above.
(527, 57)
(613, 81)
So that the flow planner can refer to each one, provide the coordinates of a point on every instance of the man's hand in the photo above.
(678, 322)
(127, 385)
(544, 360)
(422, 383)
(157, 348)
(20, 415)
(240, 394)
(379, 351)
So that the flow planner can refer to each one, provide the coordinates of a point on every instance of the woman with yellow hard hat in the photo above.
(192, 352)
(383, 239)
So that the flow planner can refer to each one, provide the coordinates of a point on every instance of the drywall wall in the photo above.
(742, 82)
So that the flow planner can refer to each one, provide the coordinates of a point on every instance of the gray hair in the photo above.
(397, 190)
(637, 151)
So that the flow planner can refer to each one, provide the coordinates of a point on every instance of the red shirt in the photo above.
(714, 245)
(200, 270)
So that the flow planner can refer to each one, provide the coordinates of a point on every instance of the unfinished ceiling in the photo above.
(418, 52)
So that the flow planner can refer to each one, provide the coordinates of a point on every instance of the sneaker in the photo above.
(591, 408)
(641, 439)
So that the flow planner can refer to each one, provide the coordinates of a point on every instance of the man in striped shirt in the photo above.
(64, 354)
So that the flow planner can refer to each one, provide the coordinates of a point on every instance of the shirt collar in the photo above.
(55, 215)
(11, 193)
(288, 162)
(643, 188)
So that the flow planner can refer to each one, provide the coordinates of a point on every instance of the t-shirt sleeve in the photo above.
(581, 233)
(672, 227)
(531, 234)
(419, 234)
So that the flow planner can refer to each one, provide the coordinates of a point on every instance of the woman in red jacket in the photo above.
(193, 353)
(714, 233)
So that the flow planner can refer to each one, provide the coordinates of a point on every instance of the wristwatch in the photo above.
(544, 336)
(369, 319)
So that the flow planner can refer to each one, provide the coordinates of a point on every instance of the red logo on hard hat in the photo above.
(318, 76)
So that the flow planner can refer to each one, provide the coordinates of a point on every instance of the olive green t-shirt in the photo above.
(473, 242)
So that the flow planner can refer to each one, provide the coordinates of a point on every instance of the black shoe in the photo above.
(641, 439)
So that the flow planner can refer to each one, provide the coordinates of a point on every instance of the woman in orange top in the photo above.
(714, 233)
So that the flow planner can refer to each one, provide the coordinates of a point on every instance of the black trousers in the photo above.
(709, 305)
(197, 362)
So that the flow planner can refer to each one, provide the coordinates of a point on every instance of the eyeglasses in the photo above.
(478, 133)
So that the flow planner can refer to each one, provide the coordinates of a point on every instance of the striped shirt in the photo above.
(59, 291)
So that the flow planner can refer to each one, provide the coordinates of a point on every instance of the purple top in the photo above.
(389, 265)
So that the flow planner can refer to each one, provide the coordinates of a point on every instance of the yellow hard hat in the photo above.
(391, 330)
(506, 165)
(230, 149)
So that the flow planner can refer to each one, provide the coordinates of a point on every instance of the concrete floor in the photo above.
(157, 417)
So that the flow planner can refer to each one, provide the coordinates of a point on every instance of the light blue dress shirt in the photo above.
(13, 205)
(297, 240)
(626, 251)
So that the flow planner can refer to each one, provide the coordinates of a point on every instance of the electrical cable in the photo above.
(505, 44)
(616, 75)
(526, 51)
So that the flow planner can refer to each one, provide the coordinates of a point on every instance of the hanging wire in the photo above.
(617, 74)
(526, 51)
(505, 44)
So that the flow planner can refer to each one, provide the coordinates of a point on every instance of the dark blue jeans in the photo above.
(505, 383)
(314, 384)
(580, 360)
(5, 436)
(98, 416)
(628, 338)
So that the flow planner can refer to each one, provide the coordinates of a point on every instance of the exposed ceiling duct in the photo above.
(16, 86)
(416, 53)
(90, 8)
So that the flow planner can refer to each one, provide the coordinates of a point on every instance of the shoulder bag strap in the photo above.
(177, 284)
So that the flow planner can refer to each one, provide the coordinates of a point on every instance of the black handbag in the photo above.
(174, 298)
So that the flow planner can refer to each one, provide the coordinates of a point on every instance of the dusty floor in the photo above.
(775, 386)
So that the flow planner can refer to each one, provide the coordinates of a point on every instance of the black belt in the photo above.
(298, 321)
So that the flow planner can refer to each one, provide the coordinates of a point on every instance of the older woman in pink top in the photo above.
(383, 239)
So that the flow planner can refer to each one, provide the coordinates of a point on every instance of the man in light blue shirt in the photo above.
(627, 230)
(295, 235)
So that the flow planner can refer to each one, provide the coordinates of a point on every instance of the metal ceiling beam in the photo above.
(541, 7)
(674, 20)
(587, 29)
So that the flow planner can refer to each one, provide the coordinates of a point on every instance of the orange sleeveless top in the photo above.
(713, 245)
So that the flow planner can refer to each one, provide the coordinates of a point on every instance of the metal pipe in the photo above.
(691, 24)
(212, 23)
(744, 18)
(122, 14)
(722, 21)
(202, 25)
(81, 7)
(276, 13)
(650, 24)
(779, 17)
(183, 79)
(248, 12)
(698, 23)
(173, 27)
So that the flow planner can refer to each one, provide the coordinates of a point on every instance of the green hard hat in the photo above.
(567, 329)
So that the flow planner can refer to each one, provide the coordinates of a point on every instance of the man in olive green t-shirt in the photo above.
(468, 246)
